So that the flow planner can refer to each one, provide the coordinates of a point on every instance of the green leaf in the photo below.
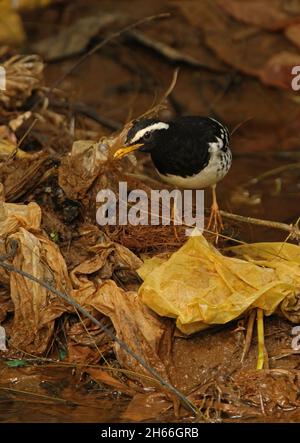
(16, 363)
(62, 354)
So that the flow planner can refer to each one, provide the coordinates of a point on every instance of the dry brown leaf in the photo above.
(24, 175)
(145, 407)
(293, 34)
(35, 308)
(77, 332)
(134, 324)
(278, 70)
(27, 4)
(7, 149)
(13, 216)
(241, 46)
(103, 376)
(205, 58)
(23, 75)
(81, 354)
(278, 389)
(262, 13)
(79, 170)
(107, 257)
(89, 168)
(75, 38)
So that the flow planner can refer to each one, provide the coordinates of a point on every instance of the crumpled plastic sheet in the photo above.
(199, 287)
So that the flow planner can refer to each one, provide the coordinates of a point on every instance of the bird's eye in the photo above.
(147, 136)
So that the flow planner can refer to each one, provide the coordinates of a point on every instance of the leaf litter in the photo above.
(48, 210)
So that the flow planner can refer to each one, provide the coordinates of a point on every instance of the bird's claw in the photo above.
(215, 223)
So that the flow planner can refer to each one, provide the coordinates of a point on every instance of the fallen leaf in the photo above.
(278, 70)
(79, 354)
(241, 46)
(293, 34)
(35, 308)
(260, 13)
(102, 376)
(205, 60)
(75, 38)
(23, 75)
(142, 331)
(25, 175)
(146, 406)
(7, 149)
(279, 389)
(27, 4)
(16, 363)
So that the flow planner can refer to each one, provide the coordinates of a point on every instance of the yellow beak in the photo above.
(126, 150)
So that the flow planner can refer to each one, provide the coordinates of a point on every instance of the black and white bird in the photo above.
(187, 152)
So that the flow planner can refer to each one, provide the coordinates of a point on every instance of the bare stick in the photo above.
(89, 112)
(15, 151)
(249, 334)
(292, 229)
(272, 172)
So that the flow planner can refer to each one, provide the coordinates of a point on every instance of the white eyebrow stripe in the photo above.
(142, 132)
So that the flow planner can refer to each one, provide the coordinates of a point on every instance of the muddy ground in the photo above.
(226, 71)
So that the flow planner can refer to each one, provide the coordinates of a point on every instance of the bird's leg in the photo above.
(215, 223)
(173, 218)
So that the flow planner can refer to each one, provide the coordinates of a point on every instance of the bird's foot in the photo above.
(174, 220)
(215, 223)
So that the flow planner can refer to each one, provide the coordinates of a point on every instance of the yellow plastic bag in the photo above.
(199, 286)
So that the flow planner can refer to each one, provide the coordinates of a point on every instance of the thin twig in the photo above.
(15, 151)
(271, 172)
(292, 229)
(35, 394)
(89, 112)
(60, 363)
(249, 334)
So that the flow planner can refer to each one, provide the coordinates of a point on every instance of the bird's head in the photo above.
(144, 135)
